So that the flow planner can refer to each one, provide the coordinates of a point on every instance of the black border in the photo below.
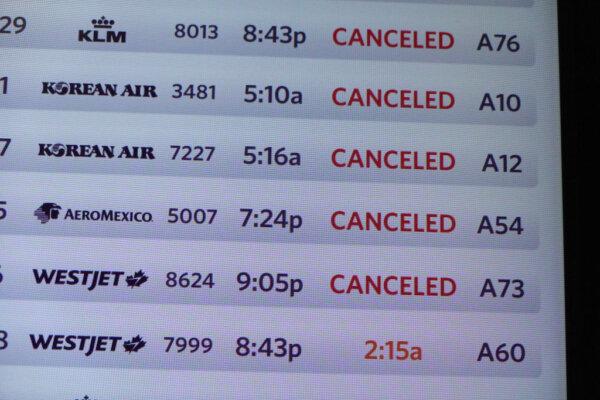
(579, 79)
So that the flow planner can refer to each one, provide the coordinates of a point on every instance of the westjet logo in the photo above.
(86, 344)
(89, 279)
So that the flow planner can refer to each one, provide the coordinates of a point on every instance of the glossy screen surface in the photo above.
(280, 199)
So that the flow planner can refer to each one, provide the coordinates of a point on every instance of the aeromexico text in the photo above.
(108, 215)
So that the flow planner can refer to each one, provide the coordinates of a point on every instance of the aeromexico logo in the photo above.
(47, 212)
(89, 279)
(86, 344)
(52, 211)
(62, 88)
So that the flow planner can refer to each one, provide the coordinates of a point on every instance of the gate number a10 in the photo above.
(500, 102)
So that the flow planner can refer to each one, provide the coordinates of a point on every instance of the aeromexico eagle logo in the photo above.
(47, 212)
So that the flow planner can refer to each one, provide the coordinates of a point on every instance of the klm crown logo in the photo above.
(102, 32)
(103, 23)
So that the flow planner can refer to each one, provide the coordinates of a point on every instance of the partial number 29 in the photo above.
(14, 25)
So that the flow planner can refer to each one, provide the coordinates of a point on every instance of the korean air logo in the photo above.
(47, 211)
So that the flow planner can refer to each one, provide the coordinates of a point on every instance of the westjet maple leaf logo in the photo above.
(137, 279)
(134, 345)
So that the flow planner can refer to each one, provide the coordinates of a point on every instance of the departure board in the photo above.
(280, 199)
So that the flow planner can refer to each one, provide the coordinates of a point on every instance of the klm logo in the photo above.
(102, 32)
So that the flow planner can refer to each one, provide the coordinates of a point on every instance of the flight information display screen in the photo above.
(280, 199)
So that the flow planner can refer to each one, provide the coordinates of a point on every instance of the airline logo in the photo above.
(86, 344)
(62, 88)
(102, 32)
(60, 150)
(89, 279)
(52, 211)
(47, 212)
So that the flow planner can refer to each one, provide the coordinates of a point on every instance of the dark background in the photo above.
(579, 38)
